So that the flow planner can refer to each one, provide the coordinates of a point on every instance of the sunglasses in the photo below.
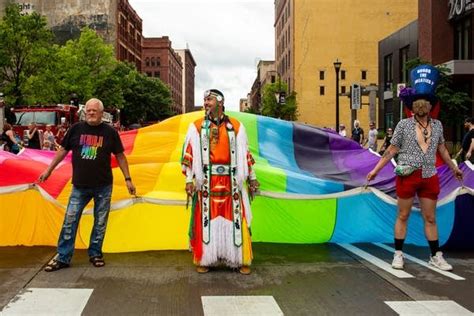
(209, 93)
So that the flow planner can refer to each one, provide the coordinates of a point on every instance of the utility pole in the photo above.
(372, 90)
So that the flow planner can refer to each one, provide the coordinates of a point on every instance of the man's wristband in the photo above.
(128, 179)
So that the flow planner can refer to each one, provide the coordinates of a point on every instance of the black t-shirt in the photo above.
(356, 134)
(466, 141)
(92, 147)
(388, 140)
(34, 142)
(8, 142)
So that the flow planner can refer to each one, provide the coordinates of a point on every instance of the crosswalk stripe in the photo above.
(41, 301)
(376, 261)
(421, 308)
(240, 305)
(423, 263)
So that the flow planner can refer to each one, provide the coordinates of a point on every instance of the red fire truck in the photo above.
(54, 115)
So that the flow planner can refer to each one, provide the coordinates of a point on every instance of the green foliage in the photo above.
(454, 104)
(252, 110)
(80, 66)
(270, 106)
(87, 67)
(34, 71)
(25, 50)
(146, 99)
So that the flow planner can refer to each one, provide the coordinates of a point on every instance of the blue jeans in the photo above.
(77, 202)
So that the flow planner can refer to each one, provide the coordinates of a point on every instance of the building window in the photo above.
(153, 61)
(343, 89)
(403, 60)
(388, 72)
(289, 58)
(389, 120)
(149, 74)
(343, 75)
(273, 79)
(321, 90)
(321, 75)
(364, 74)
(463, 39)
(158, 63)
(147, 62)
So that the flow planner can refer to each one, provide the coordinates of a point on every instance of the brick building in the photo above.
(128, 43)
(266, 74)
(161, 61)
(188, 79)
(243, 104)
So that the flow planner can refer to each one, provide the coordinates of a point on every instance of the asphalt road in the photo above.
(325, 279)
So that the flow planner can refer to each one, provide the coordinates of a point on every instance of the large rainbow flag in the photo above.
(313, 190)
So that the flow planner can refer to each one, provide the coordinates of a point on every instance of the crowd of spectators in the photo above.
(34, 138)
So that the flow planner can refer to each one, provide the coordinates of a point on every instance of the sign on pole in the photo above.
(356, 102)
(400, 86)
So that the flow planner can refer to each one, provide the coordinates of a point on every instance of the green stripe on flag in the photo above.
(274, 220)
(270, 178)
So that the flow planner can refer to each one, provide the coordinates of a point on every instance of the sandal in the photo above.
(202, 269)
(55, 265)
(245, 270)
(97, 261)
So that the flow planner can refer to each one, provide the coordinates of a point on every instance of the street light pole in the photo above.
(337, 67)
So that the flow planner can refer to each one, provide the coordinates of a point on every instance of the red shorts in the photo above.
(408, 186)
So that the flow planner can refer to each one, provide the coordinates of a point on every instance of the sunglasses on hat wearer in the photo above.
(215, 93)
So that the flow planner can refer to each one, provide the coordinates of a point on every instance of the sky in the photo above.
(227, 38)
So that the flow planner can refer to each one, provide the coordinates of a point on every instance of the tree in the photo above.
(25, 50)
(87, 67)
(270, 105)
(80, 66)
(141, 98)
(146, 99)
(252, 110)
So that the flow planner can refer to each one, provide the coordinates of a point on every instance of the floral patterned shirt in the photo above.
(410, 152)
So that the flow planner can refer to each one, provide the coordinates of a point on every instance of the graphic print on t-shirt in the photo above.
(90, 145)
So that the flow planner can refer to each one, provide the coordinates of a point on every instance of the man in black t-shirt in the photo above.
(358, 133)
(92, 142)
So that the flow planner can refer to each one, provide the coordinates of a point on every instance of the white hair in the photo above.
(97, 101)
(356, 122)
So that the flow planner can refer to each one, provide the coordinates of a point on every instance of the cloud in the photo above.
(226, 38)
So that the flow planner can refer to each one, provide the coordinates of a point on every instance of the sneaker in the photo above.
(439, 262)
(398, 261)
